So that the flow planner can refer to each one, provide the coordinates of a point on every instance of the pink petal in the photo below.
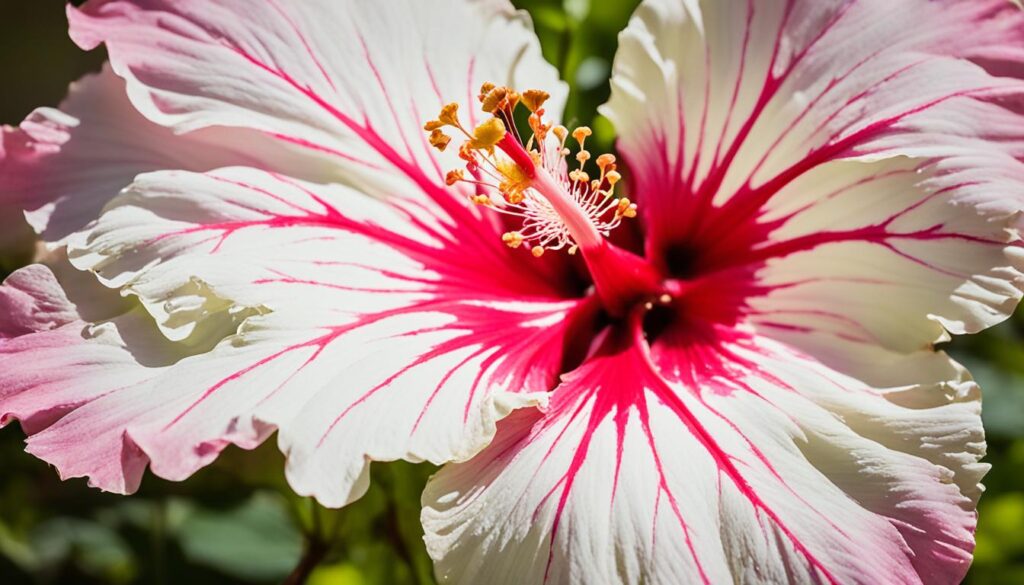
(51, 376)
(31, 300)
(875, 254)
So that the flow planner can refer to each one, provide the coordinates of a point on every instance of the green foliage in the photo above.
(237, 522)
(258, 540)
(996, 359)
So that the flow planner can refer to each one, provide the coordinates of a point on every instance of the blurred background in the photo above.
(236, 522)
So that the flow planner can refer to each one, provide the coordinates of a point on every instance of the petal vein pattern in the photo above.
(375, 335)
(331, 79)
(826, 190)
(631, 477)
(829, 189)
(761, 95)
(62, 166)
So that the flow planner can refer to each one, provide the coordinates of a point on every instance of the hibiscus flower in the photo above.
(730, 375)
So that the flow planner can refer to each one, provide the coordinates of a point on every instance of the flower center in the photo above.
(561, 208)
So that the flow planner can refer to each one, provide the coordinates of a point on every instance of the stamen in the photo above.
(560, 208)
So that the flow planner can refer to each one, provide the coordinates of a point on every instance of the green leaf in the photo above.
(255, 541)
(94, 548)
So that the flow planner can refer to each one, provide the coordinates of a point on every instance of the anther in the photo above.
(581, 134)
(625, 208)
(484, 90)
(534, 99)
(512, 100)
(439, 140)
(512, 239)
(579, 176)
(450, 115)
(493, 98)
(454, 176)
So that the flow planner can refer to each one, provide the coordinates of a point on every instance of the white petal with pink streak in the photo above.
(863, 160)
(61, 166)
(350, 82)
(781, 470)
(365, 335)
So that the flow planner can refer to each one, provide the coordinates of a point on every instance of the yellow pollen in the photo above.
(480, 199)
(512, 100)
(537, 251)
(515, 181)
(486, 135)
(537, 125)
(583, 156)
(626, 208)
(578, 175)
(439, 140)
(605, 160)
(613, 177)
(512, 239)
(581, 134)
(466, 153)
(433, 125)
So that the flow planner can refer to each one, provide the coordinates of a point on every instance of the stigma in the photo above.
(562, 205)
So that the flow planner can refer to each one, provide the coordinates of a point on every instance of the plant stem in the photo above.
(315, 552)
(317, 546)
